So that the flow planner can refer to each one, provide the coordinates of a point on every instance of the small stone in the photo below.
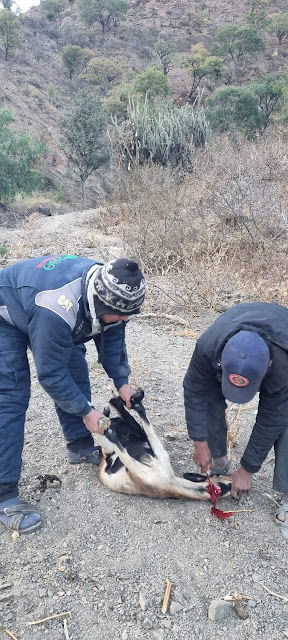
(142, 601)
(166, 623)
(219, 609)
(6, 596)
(285, 633)
(175, 607)
(252, 604)
(124, 635)
(176, 630)
(147, 623)
(159, 634)
(257, 578)
(42, 593)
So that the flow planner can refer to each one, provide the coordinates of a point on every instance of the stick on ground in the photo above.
(272, 593)
(55, 615)
(166, 596)
(11, 634)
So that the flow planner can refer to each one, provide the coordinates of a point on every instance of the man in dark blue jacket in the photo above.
(244, 351)
(53, 305)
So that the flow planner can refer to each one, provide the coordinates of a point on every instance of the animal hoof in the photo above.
(104, 423)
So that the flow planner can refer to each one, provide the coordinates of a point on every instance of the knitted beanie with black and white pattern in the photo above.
(117, 287)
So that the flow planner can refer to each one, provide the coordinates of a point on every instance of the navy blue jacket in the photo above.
(46, 299)
(203, 377)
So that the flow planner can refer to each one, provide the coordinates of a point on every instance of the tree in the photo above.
(238, 44)
(201, 64)
(19, 160)
(257, 17)
(116, 102)
(53, 8)
(103, 71)
(9, 31)
(85, 144)
(73, 58)
(151, 83)
(235, 108)
(279, 25)
(271, 93)
(165, 51)
(102, 11)
(7, 4)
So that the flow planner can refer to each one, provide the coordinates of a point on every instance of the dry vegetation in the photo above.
(219, 234)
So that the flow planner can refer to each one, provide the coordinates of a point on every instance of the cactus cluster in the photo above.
(160, 133)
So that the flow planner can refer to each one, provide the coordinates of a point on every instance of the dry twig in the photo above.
(11, 634)
(65, 626)
(272, 593)
(166, 596)
(55, 615)
(5, 585)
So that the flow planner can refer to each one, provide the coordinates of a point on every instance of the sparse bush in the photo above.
(151, 82)
(53, 8)
(102, 11)
(271, 91)
(165, 51)
(9, 31)
(220, 237)
(235, 108)
(200, 64)
(237, 44)
(7, 4)
(257, 17)
(72, 33)
(279, 26)
(19, 160)
(85, 145)
(103, 72)
(116, 102)
(162, 134)
(73, 59)
(52, 92)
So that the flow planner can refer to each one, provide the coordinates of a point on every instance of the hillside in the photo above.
(37, 88)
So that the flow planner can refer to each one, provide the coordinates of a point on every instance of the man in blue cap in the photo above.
(244, 351)
(53, 305)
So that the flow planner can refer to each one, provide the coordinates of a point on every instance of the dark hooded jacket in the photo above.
(45, 298)
(203, 377)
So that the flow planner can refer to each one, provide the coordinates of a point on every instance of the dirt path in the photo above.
(97, 551)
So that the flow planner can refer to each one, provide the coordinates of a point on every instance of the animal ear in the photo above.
(194, 477)
(106, 411)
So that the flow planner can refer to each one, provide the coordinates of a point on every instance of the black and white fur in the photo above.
(134, 460)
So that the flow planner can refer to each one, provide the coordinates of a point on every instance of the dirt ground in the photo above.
(104, 557)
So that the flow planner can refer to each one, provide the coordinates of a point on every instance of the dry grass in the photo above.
(219, 235)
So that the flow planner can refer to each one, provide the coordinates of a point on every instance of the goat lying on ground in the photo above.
(134, 460)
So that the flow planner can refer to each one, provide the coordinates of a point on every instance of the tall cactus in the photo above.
(163, 133)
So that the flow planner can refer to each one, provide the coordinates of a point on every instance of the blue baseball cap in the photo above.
(245, 360)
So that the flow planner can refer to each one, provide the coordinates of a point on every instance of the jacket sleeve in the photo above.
(270, 423)
(198, 383)
(51, 344)
(115, 359)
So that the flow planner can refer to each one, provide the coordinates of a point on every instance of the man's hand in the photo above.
(91, 421)
(125, 392)
(241, 482)
(202, 455)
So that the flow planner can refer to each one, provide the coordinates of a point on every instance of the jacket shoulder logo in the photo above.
(65, 303)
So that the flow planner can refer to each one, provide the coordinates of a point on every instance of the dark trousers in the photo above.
(217, 441)
(14, 399)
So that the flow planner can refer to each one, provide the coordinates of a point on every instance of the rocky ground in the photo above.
(104, 558)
